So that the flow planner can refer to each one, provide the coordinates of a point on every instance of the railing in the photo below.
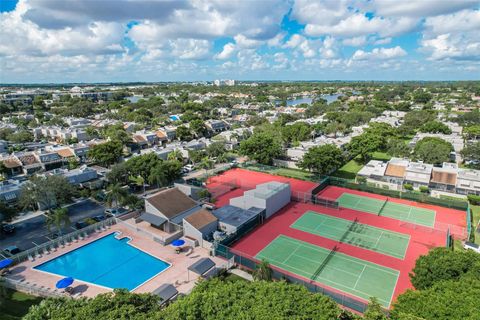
(32, 288)
(61, 241)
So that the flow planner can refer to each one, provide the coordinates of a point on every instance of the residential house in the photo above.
(216, 125)
(167, 208)
(10, 191)
(468, 181)
(200, 225)
(395, 172)
(444, 178)
(418, 174)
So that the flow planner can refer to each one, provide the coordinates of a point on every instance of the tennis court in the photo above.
(357, 234)
(389, 209)
(334, 269)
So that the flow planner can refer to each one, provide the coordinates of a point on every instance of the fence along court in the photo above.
(354, 233)
(354, 276)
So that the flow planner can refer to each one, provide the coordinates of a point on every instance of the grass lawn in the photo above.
(349, 170)
(14, 304)
(286, 172)
(230, 277)
(381, 156)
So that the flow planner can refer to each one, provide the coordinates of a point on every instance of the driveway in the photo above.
(34, 230)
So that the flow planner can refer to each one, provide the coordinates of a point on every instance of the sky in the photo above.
(55, 41)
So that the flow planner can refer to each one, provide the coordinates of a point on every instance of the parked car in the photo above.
(110, 212)
(100, 218)
(189, 167)
(8, 228)
(11, 250)
(81, 224)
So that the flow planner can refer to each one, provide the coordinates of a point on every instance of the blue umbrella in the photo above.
(178, 243)
(5, 263)
(65, 282)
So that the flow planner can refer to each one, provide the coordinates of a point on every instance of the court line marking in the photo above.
(286, 265)
(332, 236)
(359, 277)
(344, 256)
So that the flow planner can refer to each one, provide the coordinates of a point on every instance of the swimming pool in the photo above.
(107, 262)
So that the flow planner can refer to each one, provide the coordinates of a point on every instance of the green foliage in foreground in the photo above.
(442, 264)
(109, 306)
(213, 299)
(446, 300)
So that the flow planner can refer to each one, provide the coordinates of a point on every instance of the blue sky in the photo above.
(187, 40)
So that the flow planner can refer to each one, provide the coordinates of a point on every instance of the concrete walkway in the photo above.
(241, 274)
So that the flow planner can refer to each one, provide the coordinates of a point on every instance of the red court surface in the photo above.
(445, 218)
(421, 239)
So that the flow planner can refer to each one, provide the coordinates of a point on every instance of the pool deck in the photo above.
(177, 274)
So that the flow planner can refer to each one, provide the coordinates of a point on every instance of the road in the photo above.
(33, 230)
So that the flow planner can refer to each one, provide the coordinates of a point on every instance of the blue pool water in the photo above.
(107, 262)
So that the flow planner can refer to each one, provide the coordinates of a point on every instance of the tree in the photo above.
(263, 272)
(261, 147)
(433, 150)
(366, 143)
(183, 133)
(115, 194)
(6, 213)
(322, 159)
(57, 219)
(117, 133)
(398, 148)
(106, 153)
(206, 164)
(421, 96)
(46, 192)
(251, 300)
(175, 155)
(21, 136)
(216, 149)
(435, 127)
(299, 131)
(3, 170)
(119, 304)
(118, 174)
(471, 154)
(198, 127)
(374, 311)
(472, 132)
(445, 300)
(442, 264)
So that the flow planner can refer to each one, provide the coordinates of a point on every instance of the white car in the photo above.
(188, 167)
(472, 246)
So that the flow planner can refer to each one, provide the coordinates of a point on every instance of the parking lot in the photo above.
(34, 231)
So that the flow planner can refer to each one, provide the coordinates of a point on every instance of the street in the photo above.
(34, 230)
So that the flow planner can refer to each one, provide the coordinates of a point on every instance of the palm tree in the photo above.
(115, 194)
(175, 155)
(158, 176)
(58, 219)
(206, 164)
(138, 180)
(263, 271)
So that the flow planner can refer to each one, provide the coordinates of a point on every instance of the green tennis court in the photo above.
(389, 209)
(361, 235)
(354, 276)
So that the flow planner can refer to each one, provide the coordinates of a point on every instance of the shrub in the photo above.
(474, 199)
(408, 186)
(423, 189)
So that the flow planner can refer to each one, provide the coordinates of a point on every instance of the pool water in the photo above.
(108, 262)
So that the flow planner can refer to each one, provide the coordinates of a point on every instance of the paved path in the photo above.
(243, 274)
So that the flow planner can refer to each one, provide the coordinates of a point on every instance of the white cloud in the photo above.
(227, 51)
(355, 41)
(379, 54)
(453, 36)
(420, 8)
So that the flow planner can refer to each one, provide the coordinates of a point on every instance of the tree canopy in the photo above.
(261, 147)
(433, 150)
(106, 153)
(322, 159)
